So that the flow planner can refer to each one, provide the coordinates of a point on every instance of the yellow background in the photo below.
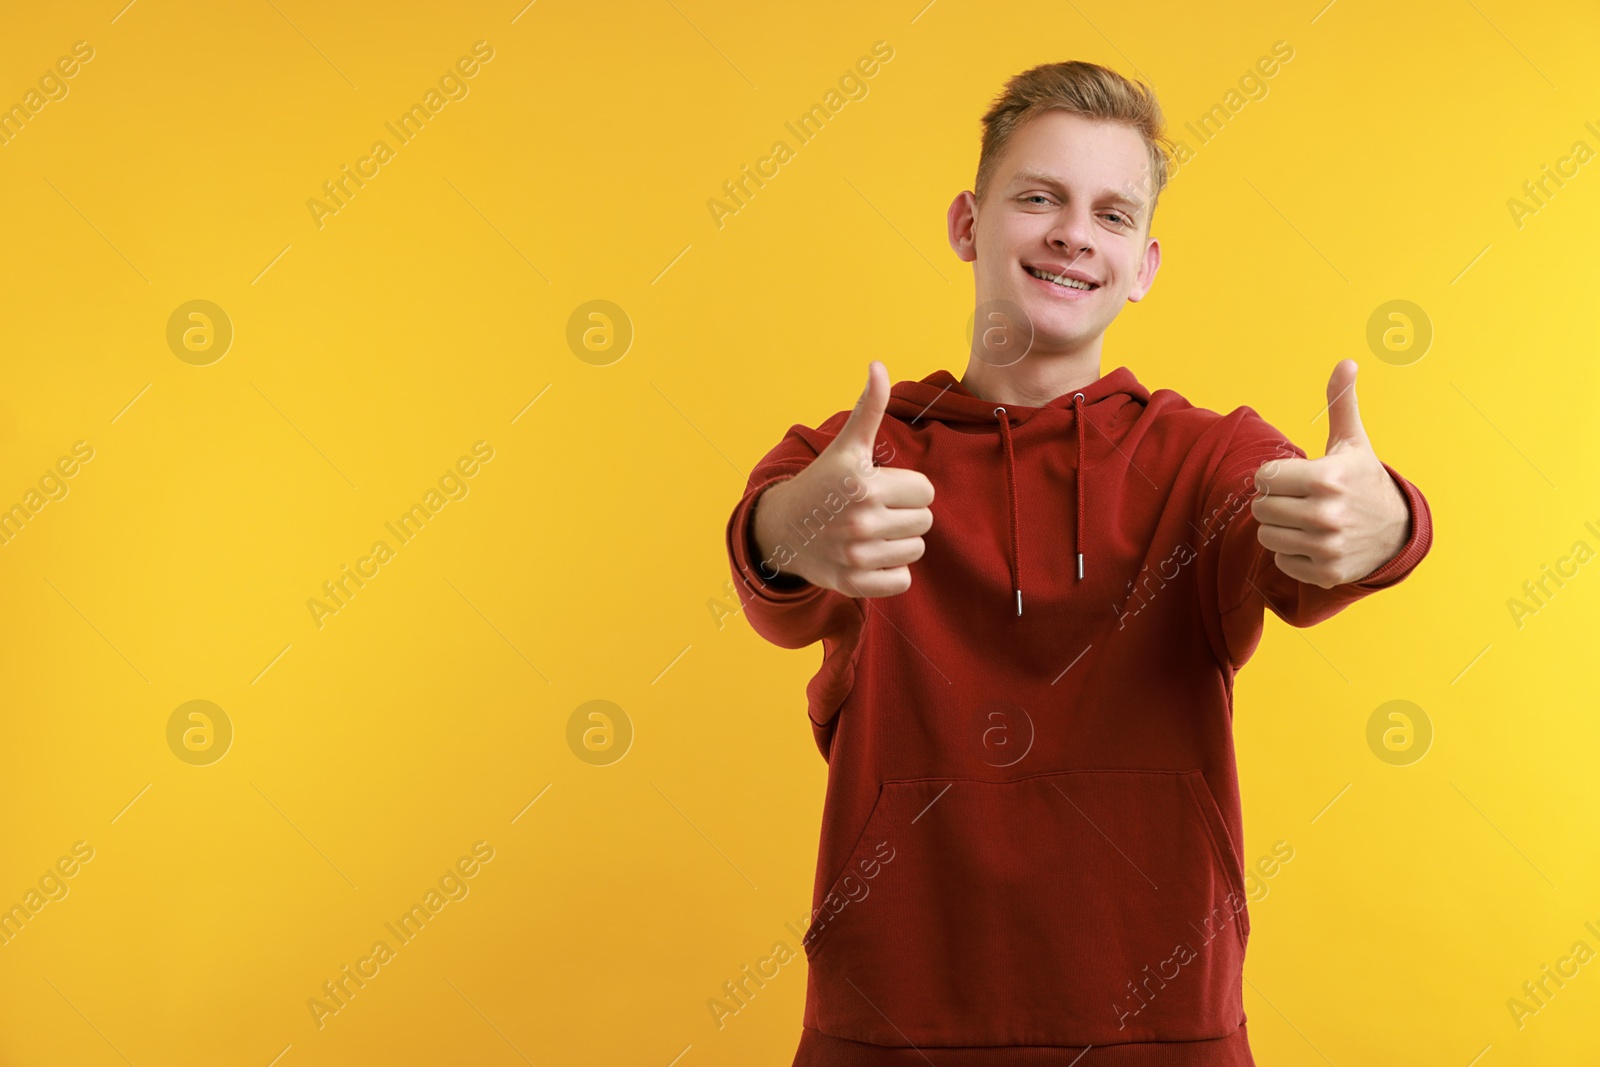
(427, 714)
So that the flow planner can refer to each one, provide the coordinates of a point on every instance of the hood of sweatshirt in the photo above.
(1102, 405)
(1032, 832)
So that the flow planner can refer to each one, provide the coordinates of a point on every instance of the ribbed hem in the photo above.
(820, 1050)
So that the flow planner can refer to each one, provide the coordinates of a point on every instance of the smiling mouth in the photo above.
(1065, 283)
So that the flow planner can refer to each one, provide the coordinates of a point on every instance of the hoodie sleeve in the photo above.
(1239, 578)
(786, 610)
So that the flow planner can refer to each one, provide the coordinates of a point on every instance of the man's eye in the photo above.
(1037, 196)
(1121, 219)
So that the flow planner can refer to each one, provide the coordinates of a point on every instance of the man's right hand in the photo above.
(866, 548)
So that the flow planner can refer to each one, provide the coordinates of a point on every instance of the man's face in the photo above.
(1069, 196)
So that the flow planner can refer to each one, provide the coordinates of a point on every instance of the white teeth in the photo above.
(1069, 283)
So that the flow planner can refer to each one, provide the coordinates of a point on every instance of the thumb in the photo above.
(1344, 417)
(860, 430)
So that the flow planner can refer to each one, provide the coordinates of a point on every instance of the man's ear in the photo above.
(1147, 271)
(962, 220)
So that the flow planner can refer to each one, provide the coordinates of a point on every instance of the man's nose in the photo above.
(1073, 232)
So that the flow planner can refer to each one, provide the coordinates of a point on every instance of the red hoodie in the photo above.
(1029, 847)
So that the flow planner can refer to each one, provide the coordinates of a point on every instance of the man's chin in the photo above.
(1057, 329)
(1051, 326)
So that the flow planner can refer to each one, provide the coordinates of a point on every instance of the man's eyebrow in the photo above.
(1046, 178)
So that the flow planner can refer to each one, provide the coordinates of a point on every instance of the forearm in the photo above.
(786, 610)
(767, 524)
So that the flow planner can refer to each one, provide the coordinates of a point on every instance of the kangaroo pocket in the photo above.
(1077, 908)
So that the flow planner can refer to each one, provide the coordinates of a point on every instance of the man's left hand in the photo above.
(1336, 519)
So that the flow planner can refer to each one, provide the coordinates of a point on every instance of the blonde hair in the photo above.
(1080, 88)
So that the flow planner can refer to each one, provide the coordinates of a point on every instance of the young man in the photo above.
(1033, 587)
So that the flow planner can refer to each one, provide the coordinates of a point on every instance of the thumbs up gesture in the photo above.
(1336, 519)
(865, 547)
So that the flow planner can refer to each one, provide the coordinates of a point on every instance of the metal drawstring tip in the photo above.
(1080, 564)
(1019, 602)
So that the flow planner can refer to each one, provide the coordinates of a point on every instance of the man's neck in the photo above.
(1032, 381)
